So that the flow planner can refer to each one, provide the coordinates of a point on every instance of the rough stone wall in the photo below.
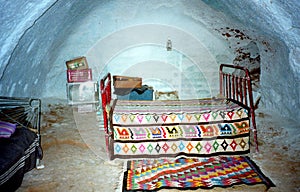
(274, 27)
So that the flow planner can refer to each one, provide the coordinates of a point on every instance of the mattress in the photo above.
(201, 127)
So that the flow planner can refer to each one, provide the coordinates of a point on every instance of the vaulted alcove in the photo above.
(129, 38)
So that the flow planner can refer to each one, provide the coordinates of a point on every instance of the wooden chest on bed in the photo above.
(125, 82)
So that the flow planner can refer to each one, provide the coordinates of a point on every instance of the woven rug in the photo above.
(192, 173)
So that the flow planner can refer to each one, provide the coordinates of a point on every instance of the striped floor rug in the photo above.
(192, 173)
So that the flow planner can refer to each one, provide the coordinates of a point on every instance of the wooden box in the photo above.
(125, 82)
(77, 63)
(80, 75)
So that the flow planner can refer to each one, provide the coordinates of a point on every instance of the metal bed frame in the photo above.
(239, 88)
(234, 87)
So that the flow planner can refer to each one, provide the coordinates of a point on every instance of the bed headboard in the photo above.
(25, 112)
(237, 86)
(105, 90)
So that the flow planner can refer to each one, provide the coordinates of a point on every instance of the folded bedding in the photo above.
(7, 129)
(17, 156)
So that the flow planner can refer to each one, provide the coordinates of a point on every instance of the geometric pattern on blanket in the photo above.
(180, 131)
(180, 117)
(180, 127)
(192, 173)
(200, 147)
(155, 114)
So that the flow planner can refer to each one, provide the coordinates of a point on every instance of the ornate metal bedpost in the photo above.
(252, 108)
(105, 88)
(104, 102)
(221, 79)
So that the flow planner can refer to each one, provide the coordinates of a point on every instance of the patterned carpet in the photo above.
(192, 173)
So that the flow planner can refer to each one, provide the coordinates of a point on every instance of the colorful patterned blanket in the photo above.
(181, 127)
(192, 173)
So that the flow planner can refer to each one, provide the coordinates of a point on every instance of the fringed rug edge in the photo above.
(267, 181)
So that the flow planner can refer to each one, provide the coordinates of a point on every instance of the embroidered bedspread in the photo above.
(201, 127)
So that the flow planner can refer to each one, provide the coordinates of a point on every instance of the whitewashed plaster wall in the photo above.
(34, 32)
(39, 36)
(141, 23)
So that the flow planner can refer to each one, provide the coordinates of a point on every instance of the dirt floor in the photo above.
(75, 156)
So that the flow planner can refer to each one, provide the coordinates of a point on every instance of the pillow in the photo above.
(171, 95)
(7, 129)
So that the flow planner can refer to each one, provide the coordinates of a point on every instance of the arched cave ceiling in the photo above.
(39, 36)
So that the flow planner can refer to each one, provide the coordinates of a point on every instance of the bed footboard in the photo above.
(237, 86)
